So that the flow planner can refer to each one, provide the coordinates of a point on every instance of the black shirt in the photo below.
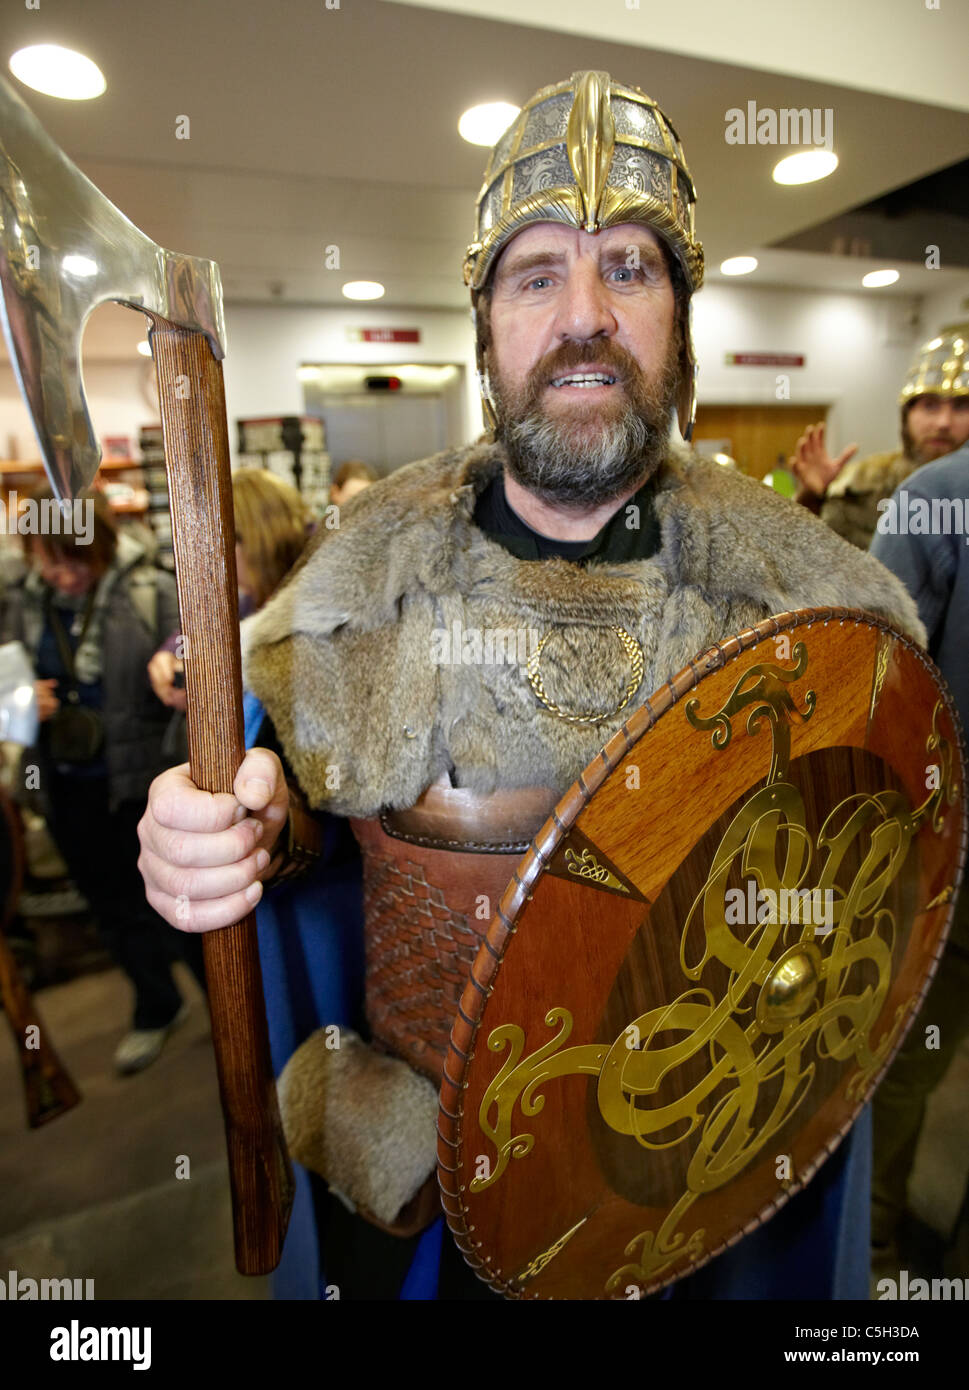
(632, 533)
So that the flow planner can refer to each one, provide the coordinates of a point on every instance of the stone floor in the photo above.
(94, 1194)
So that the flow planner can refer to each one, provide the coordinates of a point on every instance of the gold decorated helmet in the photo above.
(590, 153)
(941, 368)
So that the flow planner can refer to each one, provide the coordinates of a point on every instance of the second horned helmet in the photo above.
(590, 153)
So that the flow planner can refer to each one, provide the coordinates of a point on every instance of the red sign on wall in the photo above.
(764, 359)
(384, 335)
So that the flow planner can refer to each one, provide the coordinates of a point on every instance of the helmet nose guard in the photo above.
(589, 153)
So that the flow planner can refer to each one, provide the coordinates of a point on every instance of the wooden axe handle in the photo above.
(48, 1088)
(192, 402)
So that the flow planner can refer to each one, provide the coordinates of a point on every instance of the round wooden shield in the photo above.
(705, 962)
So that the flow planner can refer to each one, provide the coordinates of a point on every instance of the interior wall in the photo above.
(267, 344)
(116, 400)
(948, 306)
(857, 349)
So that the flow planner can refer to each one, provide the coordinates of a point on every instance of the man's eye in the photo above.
(538, 282)
(624, 274)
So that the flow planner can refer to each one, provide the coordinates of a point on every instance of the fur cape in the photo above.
(850, 504)
(373, 659)
(879, 473)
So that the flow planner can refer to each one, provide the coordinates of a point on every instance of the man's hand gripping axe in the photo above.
(64, 249)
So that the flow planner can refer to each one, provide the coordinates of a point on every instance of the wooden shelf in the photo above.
(35, 466)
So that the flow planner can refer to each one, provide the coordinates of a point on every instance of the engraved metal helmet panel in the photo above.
(603, 153)
(942, 366)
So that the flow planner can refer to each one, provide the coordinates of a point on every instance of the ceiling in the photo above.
(906, 48)
(313, 126)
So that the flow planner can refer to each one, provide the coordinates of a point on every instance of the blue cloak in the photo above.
(311, 950)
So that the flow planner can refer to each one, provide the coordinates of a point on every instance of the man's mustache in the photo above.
(560, 360)
(619, 363)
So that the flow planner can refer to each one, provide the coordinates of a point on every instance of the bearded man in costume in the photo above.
(845, 493)
(620, 556)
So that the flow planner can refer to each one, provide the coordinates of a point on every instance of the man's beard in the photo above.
(924, 453)
(590, 456)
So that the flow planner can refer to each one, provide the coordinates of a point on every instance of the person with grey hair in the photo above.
(578, 518)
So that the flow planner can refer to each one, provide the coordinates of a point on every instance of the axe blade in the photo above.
(64, 249)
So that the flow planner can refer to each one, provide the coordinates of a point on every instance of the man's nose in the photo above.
(584, 310)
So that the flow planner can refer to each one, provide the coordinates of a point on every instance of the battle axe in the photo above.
(64, 249)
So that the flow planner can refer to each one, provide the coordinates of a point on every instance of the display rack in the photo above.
(294, 448)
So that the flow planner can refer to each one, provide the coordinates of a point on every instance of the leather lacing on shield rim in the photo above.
(544, 845)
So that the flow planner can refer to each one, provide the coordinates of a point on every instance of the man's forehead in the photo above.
(555, 239)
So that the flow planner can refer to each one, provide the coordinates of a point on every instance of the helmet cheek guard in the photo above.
(589, 153)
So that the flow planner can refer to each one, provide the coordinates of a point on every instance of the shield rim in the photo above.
(537, 858)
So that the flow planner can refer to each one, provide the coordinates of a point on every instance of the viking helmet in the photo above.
(941, 368)
(589, 153)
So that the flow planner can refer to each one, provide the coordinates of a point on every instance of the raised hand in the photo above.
(811, 463)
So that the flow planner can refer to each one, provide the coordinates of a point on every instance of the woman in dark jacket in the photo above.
(89, 612)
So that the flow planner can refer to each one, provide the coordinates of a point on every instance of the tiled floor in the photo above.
(94, 1194)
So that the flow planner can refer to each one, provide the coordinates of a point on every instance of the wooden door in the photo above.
(760, 436)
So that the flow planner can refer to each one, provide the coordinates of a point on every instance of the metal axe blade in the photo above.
(65, 249)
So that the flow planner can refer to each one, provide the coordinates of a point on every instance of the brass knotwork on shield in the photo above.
(763, 687)
(587, 866)
(518, 1081)
(540, 1261)
(883, 653)
(798, 993)
(580, 860)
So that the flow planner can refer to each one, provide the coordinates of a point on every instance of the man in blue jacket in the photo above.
(923, 537)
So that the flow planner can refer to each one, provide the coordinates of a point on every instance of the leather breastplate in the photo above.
(433, 876)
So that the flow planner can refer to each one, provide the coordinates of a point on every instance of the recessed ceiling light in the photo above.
(874, 278)
(738, 265)
(363, 289)
(805, 167)
(58, 72)
(79, 265)
(482, 125)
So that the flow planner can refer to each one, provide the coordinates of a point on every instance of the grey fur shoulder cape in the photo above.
(395, 652)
